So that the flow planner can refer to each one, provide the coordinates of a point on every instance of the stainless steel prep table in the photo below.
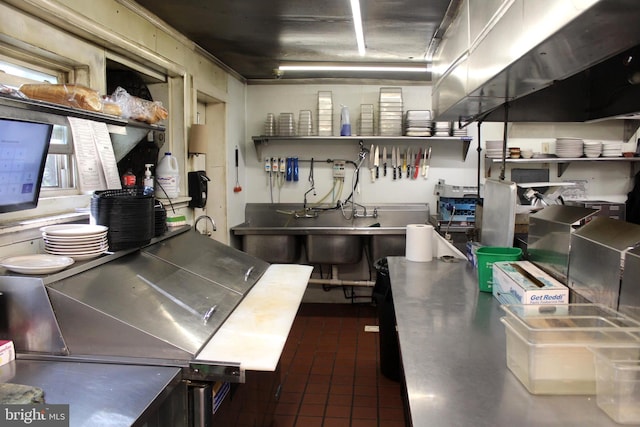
(98, 394)
(453, 354)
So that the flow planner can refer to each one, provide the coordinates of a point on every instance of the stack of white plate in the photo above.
(611, 149)
(494, 149)
(390, 123)
(569, 147)
(418, 123)
(366, 120)
(286, 125)
(592, 148)
(305, 124)
(325, 113)
(77, 241)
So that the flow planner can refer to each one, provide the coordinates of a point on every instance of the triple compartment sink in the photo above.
(273, 233)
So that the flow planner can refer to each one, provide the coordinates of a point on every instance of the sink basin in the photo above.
(273, 248)
(333, 248)
(383, 245)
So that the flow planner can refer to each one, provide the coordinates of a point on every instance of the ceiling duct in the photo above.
(586, 70)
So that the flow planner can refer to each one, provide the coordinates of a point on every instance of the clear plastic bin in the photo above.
(618, 383)
(558, 368)
(572, 324)
(549, 346)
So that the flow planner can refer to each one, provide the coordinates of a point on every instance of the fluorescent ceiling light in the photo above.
(357, 25)
(379, 68)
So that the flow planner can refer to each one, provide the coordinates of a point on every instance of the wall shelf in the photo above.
(562, 162)
(261, 141)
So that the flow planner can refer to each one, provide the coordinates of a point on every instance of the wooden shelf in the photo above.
(562, 162)
(261, 141)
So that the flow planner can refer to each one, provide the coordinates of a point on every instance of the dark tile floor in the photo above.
(331, 374)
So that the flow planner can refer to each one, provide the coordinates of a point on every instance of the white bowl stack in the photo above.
(592, 149)
(611, 149)
(494, 149)
(569, 147)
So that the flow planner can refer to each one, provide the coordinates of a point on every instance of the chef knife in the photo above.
(427, 160)
(376, 160)
(404, 162)
(416, 167)
(394, 161)
(400, 159)
(372, 167)
(384, 160)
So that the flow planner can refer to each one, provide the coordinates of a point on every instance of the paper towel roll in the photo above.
(419, 246)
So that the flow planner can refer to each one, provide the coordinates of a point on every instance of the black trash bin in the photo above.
(388, 335)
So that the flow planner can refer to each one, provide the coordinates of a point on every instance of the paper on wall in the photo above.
(97, 166)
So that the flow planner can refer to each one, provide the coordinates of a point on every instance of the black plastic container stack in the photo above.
(160, 226)
(129, 214)
(388, 336)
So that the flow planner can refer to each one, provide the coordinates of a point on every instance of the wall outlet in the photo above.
(545, 147)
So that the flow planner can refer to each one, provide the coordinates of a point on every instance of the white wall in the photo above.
(447, 160)
(603, 180)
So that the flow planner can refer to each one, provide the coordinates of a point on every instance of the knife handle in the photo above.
(384, 169)
(377, 172)
(394, 173)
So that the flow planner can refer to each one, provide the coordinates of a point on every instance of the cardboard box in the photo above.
(7, 352)
(521, 282)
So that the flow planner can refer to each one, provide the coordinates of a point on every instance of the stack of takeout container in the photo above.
(390, 122)
(418, 123)
(325, 113)
(366, 120)
(286, 125)
(550, 347)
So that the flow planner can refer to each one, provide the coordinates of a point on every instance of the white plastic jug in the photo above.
(168, 177)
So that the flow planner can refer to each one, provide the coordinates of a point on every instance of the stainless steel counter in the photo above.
(97, 394)
(454, 358)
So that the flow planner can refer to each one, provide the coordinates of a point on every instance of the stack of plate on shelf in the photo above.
(458, 131)
(390, 123)
(592, 148)
(366, 120)
(305, 125)
(286, 125)
(611, 149)
(494, 149)
(569, 147)
(325, 113)
(442, 129)
(270, 125)
(418, 123)
(77, 241)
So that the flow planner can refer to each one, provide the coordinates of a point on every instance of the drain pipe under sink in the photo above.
(335, 281)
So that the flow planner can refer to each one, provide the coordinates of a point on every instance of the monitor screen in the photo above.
(23, 153)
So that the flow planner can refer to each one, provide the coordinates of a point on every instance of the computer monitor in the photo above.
(23, 154)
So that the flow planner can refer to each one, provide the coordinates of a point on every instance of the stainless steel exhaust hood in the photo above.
(551, 61)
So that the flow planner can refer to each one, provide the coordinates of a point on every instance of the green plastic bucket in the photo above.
(486, 256)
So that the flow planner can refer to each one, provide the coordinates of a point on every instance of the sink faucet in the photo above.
(307, 212)
(354, 206)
